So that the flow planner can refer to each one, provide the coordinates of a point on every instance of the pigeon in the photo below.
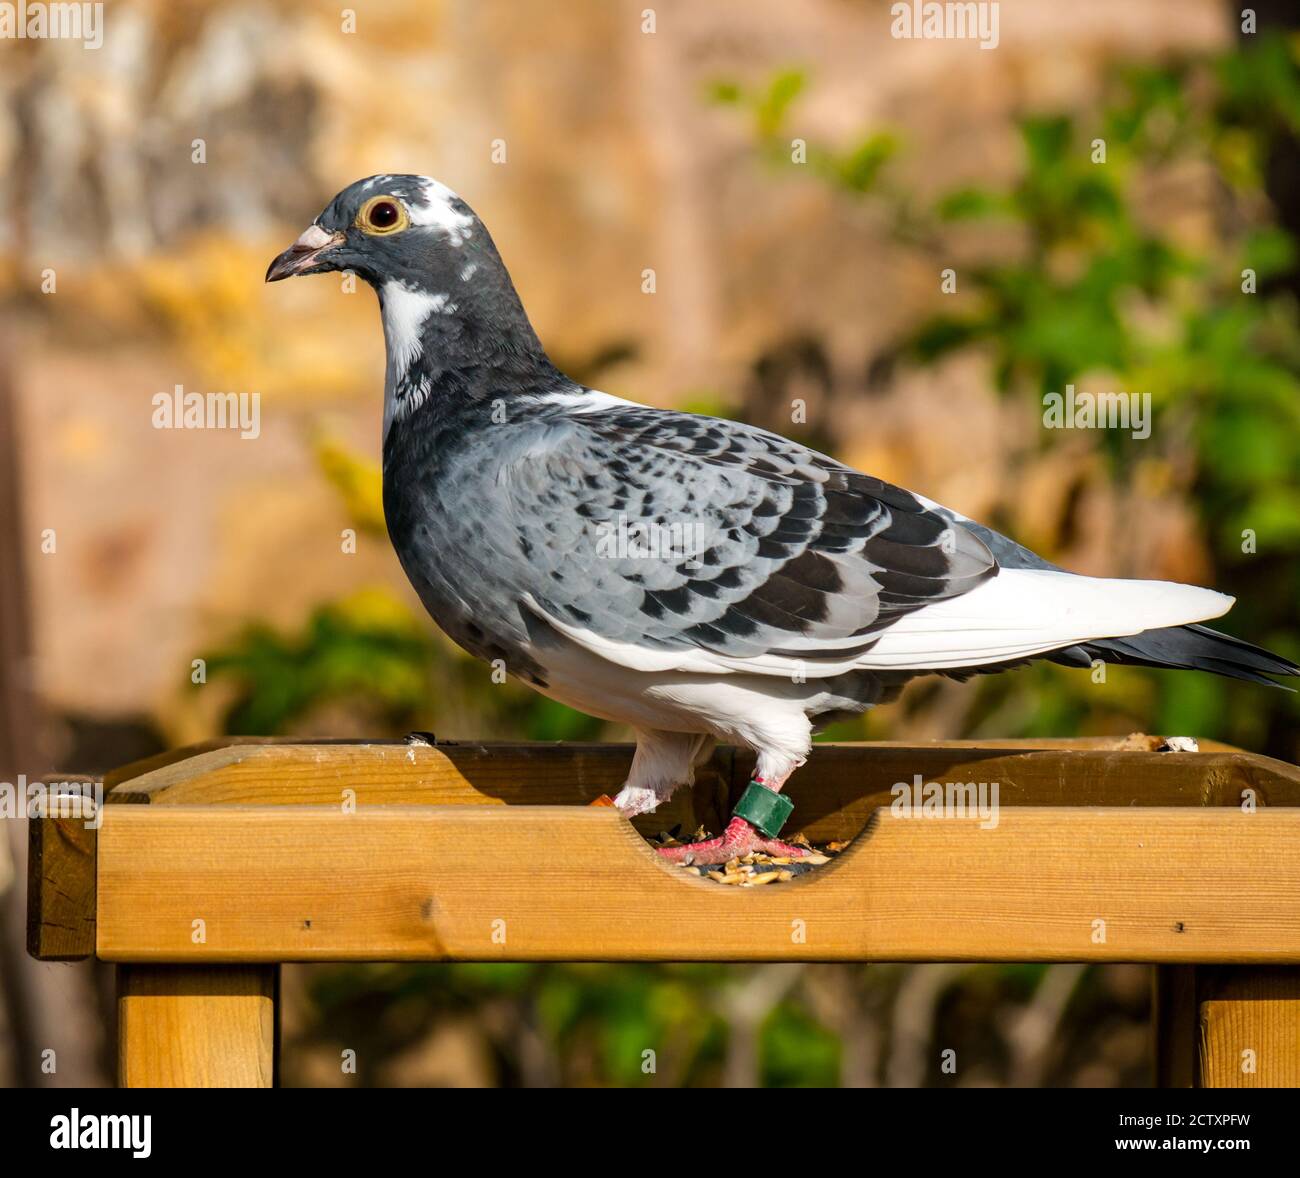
(692, 577)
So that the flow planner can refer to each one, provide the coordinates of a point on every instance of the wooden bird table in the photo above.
(213, 865)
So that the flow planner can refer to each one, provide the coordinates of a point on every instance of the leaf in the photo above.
(969, 204)
(1047, 140)
(859, 168)
(723, 93)
(770, 111)
(1269, 251)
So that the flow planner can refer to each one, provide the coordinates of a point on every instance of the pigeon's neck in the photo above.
(447, 348)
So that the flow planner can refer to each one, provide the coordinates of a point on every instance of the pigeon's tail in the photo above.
(1193, 648)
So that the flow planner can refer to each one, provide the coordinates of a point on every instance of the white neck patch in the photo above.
(405, 312)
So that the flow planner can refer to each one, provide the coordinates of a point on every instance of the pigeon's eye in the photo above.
(381, 214)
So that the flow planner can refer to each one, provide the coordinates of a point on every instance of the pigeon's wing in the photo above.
(688, 535)
(671, 542)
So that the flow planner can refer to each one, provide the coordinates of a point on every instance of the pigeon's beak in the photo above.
(304, 254)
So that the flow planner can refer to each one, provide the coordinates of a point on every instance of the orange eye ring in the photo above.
(382, 215)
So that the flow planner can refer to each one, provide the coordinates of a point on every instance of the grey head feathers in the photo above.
(454, 325)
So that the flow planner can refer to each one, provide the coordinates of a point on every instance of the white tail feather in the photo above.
(1015, 615)
(1023, 612)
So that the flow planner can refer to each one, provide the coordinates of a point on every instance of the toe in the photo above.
(703, 853)
(779, 849)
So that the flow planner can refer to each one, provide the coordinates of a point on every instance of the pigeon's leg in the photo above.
(662, 762)
(742, 835)
(739, 839)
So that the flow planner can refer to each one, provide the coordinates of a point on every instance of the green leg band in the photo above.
(763, 808)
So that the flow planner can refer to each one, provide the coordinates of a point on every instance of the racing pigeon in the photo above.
(695, 578)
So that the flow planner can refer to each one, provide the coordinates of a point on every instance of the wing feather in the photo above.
(788, 556)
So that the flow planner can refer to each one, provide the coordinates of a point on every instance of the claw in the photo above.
(740, 838)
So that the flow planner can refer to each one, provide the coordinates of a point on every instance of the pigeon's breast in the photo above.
(457, 550)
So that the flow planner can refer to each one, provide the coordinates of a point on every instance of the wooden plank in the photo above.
(1249, 1027)
(834, 793)
(379, 772)
(196, 1026)
(395, 773)
(840, 786)
(61, 885)
(161, 760)
(478, 883)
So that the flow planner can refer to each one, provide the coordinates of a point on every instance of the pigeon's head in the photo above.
(446, 299)
(407, 229)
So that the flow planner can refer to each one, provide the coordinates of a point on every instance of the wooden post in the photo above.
(60, 888)
(197, 1026)
(1227, 1026)
(1249, 1027)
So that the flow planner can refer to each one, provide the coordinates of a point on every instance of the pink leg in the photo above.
(740, 838)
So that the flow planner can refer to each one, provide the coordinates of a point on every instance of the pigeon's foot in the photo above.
(740, 838)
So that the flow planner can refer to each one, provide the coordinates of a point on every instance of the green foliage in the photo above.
(1059, 308)
(797, 1052)
(365, 651)
(856, 168)
(1260, 88)
(545, 719)
(370, 657)
(767, 106)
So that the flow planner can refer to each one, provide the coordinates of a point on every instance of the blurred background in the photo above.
(797, 180)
